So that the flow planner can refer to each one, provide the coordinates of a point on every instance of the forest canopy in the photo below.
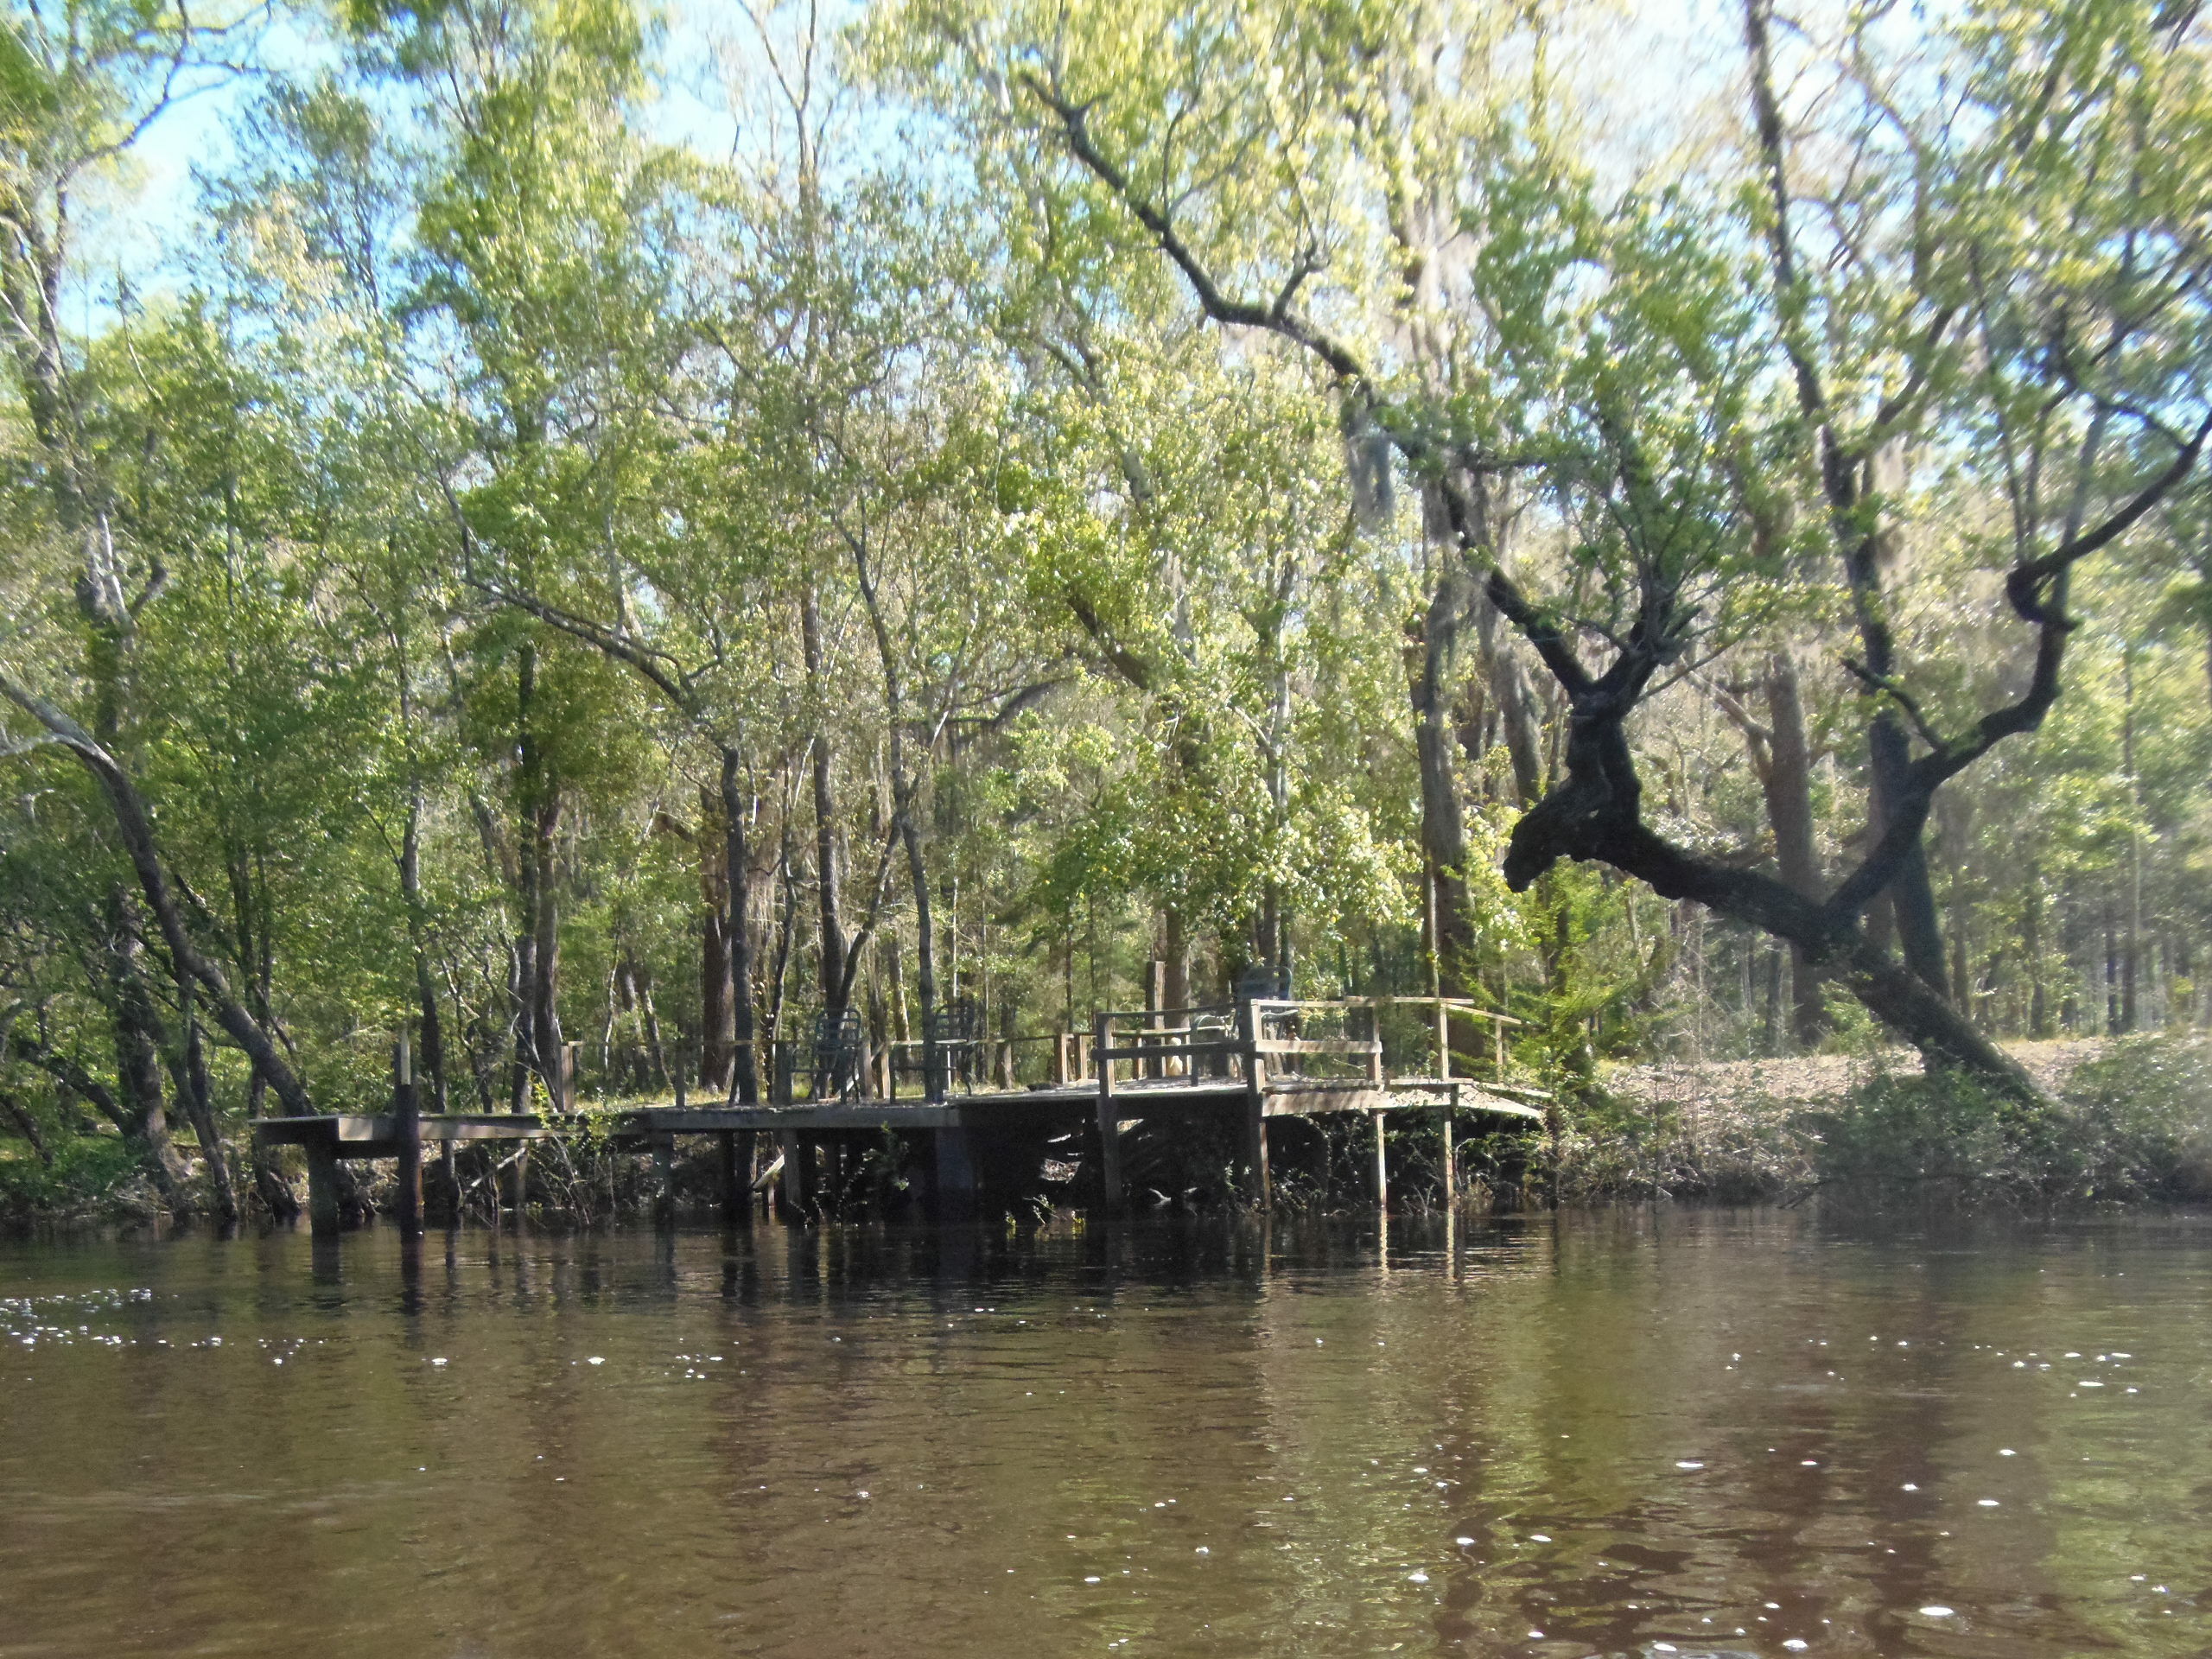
(609, 540)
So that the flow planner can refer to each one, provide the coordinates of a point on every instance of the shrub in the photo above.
(88, 1170)
(2133, 1124)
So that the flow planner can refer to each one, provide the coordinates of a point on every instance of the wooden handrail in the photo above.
(1458, 1004)
(1167, 1051)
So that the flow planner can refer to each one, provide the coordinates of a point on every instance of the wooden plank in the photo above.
(1316, 1045)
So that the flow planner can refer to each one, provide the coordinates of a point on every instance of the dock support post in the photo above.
(736, 1194)
(955, 1174)
(322, 1186)
(407, 1109)
(664, 1180)
(1259, 1190)
(799, 1157)
(1450, 1154)
(1381, 1166)
(1109, 1117)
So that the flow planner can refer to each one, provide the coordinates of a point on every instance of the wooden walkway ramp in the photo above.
(1250, 1061)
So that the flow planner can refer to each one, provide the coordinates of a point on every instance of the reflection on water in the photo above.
(1619, 1434)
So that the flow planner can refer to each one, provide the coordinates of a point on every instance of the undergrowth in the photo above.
(2131, 1125)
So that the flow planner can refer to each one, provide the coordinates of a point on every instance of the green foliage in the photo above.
(2134, 1123)
(88, 1175)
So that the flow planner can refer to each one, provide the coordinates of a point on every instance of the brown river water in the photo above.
(1633, 1433)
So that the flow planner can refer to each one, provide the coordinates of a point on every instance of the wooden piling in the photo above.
(322, 1187)
(735, 1194)
(1110, 1121)
(799, 1174)
(953, 1166)
(664, 1180)
(1382, 1164)
(1259, 1190)
(1451, 1168)
(407, 1112)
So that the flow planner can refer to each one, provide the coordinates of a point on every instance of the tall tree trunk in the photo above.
(918, 874)
(521, 974)
(736, 816)
(255, 923)
(2131, 957)
(904, 798)
(2031, 945)
(1911, 895)
(545, 978)
(539, 799)
(1443, 822)
(1177, 956)
(1853, 480)
(138, 1059)
(433, 1044)
(2113, 1026)
(196, 1089)
(1514, 702)
(1788, 783)
(717, 1015)
(832, 977)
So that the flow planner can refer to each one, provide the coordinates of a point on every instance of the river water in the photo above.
(1630, 1432)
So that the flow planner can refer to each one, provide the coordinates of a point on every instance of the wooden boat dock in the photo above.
(1248, 1064)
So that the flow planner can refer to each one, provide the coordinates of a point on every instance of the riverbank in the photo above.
(2131, 1123)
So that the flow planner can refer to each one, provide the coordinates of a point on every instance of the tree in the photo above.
(1241, 152)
